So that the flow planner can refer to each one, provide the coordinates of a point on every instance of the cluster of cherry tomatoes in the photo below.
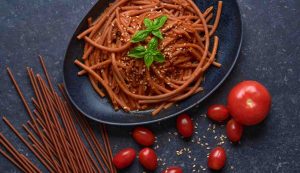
(248, 104)
(147, 156)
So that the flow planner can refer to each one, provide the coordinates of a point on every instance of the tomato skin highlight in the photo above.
(124, 158)
(217, 113)
(173, 169)
(185, 125)
(249, 102)
(143, 136)
(148, 159)
(217, 158)
(234, 130)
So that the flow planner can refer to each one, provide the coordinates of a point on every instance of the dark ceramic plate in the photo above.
(87, 101)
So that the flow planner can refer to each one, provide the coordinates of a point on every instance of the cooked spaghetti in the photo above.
(127, 81)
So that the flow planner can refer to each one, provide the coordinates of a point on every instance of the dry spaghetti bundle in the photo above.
(184, 44)
(60, 138)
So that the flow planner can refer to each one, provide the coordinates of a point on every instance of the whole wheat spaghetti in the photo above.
(127, 81)
(53, 133)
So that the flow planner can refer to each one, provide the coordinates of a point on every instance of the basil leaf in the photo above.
(140, 36)
(148, 23)
(159, 57)
(159, 22)
(153, 43)
(137, 52)
(148, 59)
(157, 33)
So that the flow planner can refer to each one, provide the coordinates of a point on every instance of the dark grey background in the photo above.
(270, 54)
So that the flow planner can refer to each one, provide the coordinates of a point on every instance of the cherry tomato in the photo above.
(124, 158)
(148, 159)
(234, 130)
(143, 136)
(173, 169)
(185, 125)
(217, 113)
(217, 158)
(249, 102)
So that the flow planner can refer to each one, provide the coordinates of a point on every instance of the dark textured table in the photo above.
(270, 54)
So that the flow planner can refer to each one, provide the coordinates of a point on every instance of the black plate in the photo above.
(87, 101)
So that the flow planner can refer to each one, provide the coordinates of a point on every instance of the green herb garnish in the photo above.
(151, 27)
(150, 54)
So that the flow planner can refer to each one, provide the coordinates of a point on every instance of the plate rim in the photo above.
(165, 117)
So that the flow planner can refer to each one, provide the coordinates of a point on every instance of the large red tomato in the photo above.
(249, 102)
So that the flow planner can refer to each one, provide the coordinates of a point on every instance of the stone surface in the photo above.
(270, 54)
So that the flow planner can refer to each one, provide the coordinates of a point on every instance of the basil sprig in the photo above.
(150, 54)
(151, 27)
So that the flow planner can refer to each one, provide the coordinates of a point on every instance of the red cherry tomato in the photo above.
(124, 158)
(249, 102)
(234, 130)
(217, 158)
(143, 136)
(185, 125)
(148, 159)
(173, 169)
(217, 113)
